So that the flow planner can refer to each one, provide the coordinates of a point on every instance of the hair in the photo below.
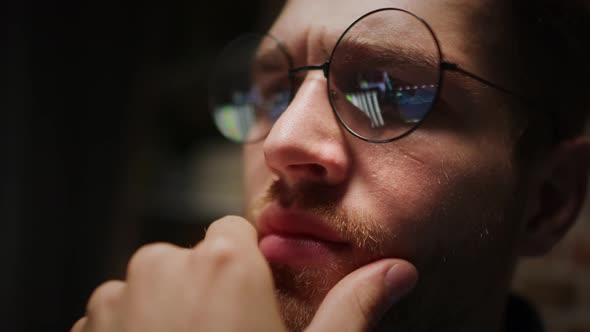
(555, 37)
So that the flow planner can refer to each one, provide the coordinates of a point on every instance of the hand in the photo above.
(225, 284)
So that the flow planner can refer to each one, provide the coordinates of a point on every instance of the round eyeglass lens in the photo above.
(250, 87)
(384, 75)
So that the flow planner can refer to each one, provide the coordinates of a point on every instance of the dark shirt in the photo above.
(521, 316)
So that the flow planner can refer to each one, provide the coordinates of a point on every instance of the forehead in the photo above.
(467, 29)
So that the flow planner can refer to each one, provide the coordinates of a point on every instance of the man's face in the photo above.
(443, 197)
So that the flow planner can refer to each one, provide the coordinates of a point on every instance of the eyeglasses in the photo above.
(384, 77)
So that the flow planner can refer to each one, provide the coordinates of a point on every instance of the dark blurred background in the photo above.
(106, 144)
(105, 138)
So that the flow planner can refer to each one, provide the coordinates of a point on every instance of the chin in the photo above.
(301, 290)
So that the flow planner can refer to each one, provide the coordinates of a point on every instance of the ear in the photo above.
(557, 196)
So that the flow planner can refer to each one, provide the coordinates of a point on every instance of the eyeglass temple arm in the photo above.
(445, 65)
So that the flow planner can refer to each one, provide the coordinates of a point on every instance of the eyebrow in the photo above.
(411, 53)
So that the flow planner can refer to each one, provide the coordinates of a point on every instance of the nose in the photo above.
(307, 143)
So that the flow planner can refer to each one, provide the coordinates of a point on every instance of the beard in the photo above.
(299, 293)
(300, 290)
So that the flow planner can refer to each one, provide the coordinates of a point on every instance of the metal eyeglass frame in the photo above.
(444, 65)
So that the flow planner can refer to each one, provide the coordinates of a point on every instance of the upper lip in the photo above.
(295, 222)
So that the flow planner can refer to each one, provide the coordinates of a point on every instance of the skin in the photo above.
(449, 201)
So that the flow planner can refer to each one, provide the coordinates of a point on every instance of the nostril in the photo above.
(315, 170)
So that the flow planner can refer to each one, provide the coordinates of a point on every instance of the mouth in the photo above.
(296, 238)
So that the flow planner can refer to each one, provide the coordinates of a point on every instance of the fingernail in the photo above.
(400, 279)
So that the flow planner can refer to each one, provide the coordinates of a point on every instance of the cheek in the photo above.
(430, 204)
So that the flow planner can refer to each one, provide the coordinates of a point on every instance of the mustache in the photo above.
(317, 198)
(321, 200)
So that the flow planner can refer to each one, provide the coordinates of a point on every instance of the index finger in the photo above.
(233, 228)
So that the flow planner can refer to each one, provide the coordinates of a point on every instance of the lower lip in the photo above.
(298, 250)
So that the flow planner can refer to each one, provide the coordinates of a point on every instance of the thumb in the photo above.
(359, 300)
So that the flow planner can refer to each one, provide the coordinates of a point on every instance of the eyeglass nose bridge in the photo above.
(325, 68)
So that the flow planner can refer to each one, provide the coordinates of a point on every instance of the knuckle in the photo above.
(146, 258)
(105, 296)
(222, 251)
